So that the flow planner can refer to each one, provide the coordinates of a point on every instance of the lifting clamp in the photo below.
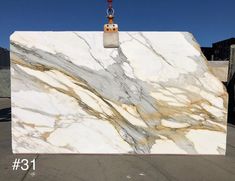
(110, 35)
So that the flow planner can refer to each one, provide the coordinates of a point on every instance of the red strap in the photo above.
(110, 3)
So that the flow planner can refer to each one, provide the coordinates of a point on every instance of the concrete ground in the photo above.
(115, 167)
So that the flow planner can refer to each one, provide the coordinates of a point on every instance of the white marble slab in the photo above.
(152, 95)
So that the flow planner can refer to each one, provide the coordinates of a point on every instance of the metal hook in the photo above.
(110, 11)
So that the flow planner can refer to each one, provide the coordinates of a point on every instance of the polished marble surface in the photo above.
(152, 95)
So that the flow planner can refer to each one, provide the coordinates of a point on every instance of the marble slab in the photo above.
(153, 95)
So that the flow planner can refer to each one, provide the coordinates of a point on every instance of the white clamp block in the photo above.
(111, 36)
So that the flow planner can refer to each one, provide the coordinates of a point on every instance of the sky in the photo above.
(208, 20)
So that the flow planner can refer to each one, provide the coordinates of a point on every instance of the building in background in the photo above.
(4, 58)
(4, 73)
(219, 50)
